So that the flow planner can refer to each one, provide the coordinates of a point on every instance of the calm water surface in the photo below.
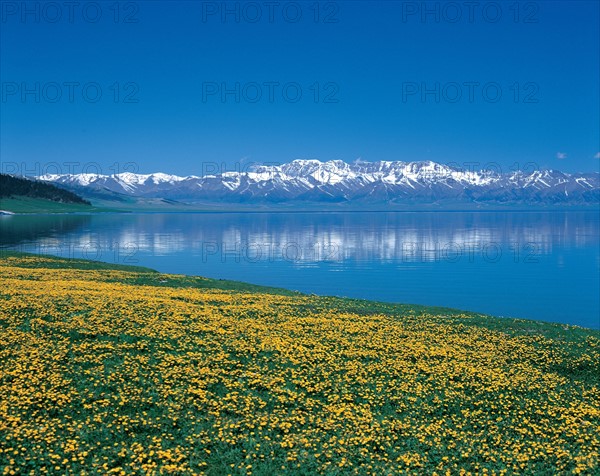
(539, 265)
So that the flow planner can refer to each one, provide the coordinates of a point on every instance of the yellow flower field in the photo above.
(110, 371)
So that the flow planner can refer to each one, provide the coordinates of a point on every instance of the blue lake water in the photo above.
(538, 265)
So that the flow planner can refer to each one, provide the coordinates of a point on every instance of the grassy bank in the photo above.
(112, 369)
(40, 205)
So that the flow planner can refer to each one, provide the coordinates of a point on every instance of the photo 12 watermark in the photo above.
(470, 12)
(53, 168)
(252, 92)
(108, 252)
(324, 12)
(69, 12)
(69, 92)
(404, 252)
(255, 252)
(473, 168)
(479, 251)
(470, 92)
(213, 168)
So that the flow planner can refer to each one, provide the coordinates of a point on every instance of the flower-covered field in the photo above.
(107, 370)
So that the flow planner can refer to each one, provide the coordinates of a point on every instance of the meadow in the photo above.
(40, 205)
(108, 369)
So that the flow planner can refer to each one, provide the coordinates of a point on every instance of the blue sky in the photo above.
(378, 81)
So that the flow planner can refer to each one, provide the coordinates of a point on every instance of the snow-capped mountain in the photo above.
(338, 181)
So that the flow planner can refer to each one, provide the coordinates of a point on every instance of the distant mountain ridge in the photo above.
(340, 182)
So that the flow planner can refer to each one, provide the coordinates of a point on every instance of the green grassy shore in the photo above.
(108, 369)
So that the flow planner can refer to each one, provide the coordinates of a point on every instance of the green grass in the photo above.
(110, 367)
(567, 337)
(143, 276)
(38, 205)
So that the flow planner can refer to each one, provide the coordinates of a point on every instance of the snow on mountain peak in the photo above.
(312, 179)
(131, 178)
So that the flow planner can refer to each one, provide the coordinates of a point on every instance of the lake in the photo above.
(537, 265)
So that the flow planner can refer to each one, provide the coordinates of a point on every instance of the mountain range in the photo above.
(313, 181)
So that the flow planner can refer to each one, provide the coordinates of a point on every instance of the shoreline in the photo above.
(203, 375)
(220, 283)
(306, 211)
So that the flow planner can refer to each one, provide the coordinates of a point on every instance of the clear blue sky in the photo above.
(373, 59)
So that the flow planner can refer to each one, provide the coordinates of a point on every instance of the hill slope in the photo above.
(108, 369)
(11, 186)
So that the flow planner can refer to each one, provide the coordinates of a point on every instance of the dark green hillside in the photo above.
(11, 186)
